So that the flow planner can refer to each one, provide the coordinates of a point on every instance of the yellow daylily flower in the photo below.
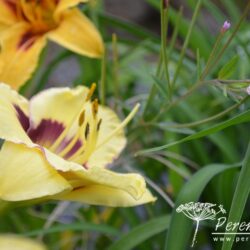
(57, 146)
(25, 27)
(15, 242)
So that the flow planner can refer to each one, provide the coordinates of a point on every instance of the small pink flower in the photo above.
(226, 26)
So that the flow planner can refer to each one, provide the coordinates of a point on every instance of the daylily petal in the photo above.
(8, 12)
(64, 5)
(13, 115)
(119, 189)
(3, 27)
(107, 196)
(111, 150)
(14, 242)
(19, 54)
(58, 104)
(77, 33)
(25, 174)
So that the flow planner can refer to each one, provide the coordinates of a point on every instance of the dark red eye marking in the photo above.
(46, 132)
(11, 5)
(22, 117)
(27, 40)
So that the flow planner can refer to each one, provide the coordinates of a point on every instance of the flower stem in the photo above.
(186, 42)
(103, 80)
(115, 68)
(164, 31)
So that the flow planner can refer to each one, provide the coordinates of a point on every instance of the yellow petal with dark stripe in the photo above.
(13, 112)
(19, 55)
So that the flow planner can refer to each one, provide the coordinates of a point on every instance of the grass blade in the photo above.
(241, 118)
(191, 191)
(141, 233)
(75, 227)
(240, 197)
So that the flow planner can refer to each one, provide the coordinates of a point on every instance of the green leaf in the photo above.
(132, 28)
(161, 86)
(241, 118)
(240, 197)
(190, 192)
(229, 68)
(141, 233)
(75, 227)
(198, 39)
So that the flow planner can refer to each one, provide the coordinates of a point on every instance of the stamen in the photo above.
(70, 145)
(76, 137)
(60, 138)
(81, 118)
(86, 131)
(66, 130)
(99, 124)
(91, 135)
(91, 91)
(95, 107)
(121, 126)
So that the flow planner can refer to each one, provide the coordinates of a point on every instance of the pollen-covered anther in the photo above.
(91, 91)
(86, 134)
(81, 118)
(99, 125)
(95, 107)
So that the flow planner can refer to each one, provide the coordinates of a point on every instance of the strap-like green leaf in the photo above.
(240, 198)
(241, 118)
(190, 192)
(75, 227)
(141, 233)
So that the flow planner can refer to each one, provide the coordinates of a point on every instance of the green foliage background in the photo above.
(189, 139)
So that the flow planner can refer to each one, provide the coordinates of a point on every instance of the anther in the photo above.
(99, 124)
(91, 91)
(87, 131)
(95, 107)
(81, 118)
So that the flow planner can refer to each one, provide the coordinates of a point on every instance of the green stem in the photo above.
(211, 118)
(245, 13)
(153, 91)
(175, 32)
(233, 81)
(199, 83)
(212, 55)
(103, 80)
(162, 60)
(164, 29)
(166, 108)
(115, 66)
(186, 42)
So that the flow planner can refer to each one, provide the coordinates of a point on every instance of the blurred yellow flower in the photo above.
(14, 242)
(26, 25)
(57, 145)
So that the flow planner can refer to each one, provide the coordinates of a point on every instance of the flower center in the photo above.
(78, 139)
(39, 13)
